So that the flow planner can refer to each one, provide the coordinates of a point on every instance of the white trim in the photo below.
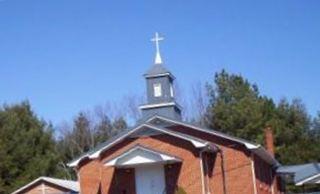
(43, 188)
(79, 179)
(253, 175)
(202, 173)
(159, 75)
(307, 179)
(147, 106)
(196, 143)
(164, 157)
(272, 181)
(256, 148)
(76, 162)
(247, 144)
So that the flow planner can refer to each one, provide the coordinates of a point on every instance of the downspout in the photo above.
(223, 171)
(207, 176)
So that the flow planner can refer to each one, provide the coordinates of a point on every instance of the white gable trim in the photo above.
(160, 75)
(195, 141)
(247, 144)
(147, 106)
(256, 148)
(140, 155)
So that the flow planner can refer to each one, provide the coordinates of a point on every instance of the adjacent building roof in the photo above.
(148, 124)
(67, 184)
(302, 174)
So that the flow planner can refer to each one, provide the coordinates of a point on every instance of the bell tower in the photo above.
(160, 90)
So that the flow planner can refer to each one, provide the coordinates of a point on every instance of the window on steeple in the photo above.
(157, 90)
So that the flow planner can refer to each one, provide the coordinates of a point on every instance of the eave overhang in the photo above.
(255, 148)
(196, 142)
(140, 155)
(159, 105)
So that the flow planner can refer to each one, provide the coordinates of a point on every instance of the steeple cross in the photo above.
(156, 39)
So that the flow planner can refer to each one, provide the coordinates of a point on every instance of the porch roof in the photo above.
(141, 155)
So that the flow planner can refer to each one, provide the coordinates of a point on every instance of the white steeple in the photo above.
(156, 39)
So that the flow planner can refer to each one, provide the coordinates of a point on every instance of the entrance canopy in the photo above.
(139, 155)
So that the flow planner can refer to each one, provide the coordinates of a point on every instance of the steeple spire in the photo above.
(156, 39)
(160, 90)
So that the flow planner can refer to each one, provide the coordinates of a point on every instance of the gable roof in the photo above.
(246, 143)
(255, 148)
(303, 173)
(198, 143)
(140, 154)
(67, 184)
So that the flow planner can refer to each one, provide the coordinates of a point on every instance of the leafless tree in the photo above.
(199, 102)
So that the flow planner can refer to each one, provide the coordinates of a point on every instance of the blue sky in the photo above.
(68, 55)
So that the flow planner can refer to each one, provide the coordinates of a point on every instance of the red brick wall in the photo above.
(237, 176)
(123, 182)
(235, 159)
(264, 176)
(189, 176)
(266, 179)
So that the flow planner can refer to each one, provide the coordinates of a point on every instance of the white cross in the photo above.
(156, 39)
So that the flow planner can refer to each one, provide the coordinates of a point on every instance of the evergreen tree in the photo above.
(82, 133)
(316, 126)
(236, 107)
(27, 147)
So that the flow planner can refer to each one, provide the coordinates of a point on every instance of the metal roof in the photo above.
(156, 70)
(303, 173)
(248, 144)
(256, 148)
(97, 151)
(67, 184)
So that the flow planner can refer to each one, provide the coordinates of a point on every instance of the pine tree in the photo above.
(236, 107)
(27, 147)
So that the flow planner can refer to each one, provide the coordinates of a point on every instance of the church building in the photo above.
(162, 154)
